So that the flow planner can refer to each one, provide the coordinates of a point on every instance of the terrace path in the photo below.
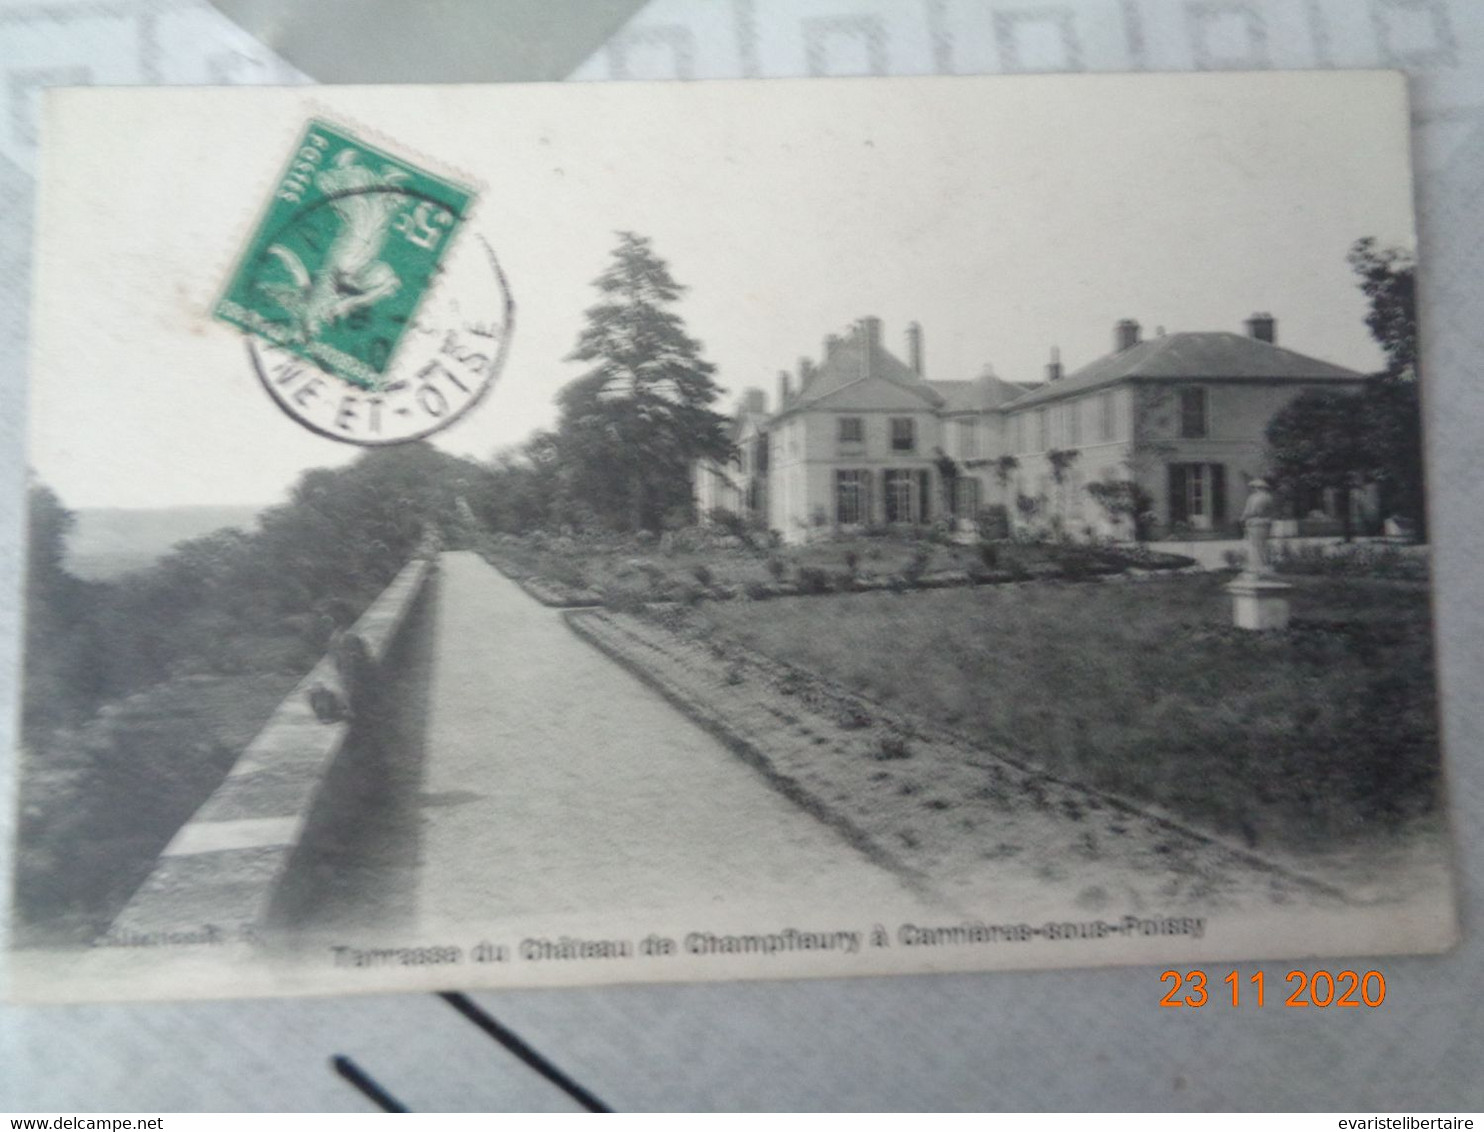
(556, 782)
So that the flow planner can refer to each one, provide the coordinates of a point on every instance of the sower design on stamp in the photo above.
(350, 292)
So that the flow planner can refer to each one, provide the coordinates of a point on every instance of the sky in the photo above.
(1006, 215)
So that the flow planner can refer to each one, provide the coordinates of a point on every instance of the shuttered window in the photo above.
(1105, 416)
(1197, 494)
(903, 434)
(1193, 422)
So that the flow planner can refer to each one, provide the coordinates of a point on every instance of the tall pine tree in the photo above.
(632, 426)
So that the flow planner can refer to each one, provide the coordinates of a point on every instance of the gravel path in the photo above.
(558, 783)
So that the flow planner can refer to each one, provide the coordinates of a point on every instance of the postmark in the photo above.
(371, 315)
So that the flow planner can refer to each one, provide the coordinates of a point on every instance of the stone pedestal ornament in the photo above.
(1259, 600)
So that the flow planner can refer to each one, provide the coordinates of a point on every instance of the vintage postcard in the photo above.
(511, 536)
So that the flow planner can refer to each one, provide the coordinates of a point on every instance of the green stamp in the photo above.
(339, 263)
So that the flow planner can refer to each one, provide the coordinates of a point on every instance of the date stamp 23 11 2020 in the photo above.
(351, 290)
(1319, 988)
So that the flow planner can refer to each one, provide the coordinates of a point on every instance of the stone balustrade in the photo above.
(223, 868)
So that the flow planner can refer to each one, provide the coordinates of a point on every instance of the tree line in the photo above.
(235, 600)
(1328, 439)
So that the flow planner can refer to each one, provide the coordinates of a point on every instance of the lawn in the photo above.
(1303, 738)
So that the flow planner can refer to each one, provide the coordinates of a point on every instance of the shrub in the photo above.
(703, 573)
(777, 567)
(757, 591)
(688, 540)
(993, 521)
(814, 580)
(1014, 566)
(852, 560)
(728, 520)
(1356, 560)
(917, 566)
(1126, 504)
(989, 554)
(567, 573)
(624, 600)
(1079, 562)
(1147, 559)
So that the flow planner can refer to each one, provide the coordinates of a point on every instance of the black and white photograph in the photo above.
(937, 524)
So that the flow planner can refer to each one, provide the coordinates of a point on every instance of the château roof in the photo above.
(987, 391)
(872, 394)
(859, 373)
(1210, 355)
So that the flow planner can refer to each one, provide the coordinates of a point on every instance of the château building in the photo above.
(863, 439)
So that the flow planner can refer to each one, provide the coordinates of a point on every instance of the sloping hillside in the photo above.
(109, 541)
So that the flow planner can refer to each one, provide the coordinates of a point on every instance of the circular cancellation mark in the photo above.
(448, 358)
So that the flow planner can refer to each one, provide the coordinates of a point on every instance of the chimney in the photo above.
(1263, 327)
(830, 342)
(914, 347)
(755, 401)
(1053, 367)
(869, 329)
(785, 389)
(806, 373)
(1125, 335)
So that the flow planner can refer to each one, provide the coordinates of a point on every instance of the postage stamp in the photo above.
(335, 275)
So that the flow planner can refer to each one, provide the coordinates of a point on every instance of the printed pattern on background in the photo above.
(1440, 43)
